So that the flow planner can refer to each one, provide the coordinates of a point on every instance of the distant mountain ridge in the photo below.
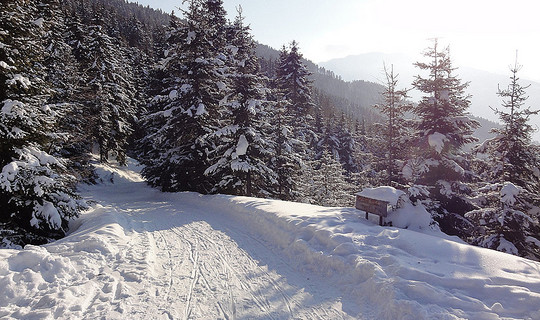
(354, 98)
(483, 85)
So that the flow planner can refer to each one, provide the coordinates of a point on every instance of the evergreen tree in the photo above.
(369, 157)
(325, 182)
(65, 79)
(442, 130)
(330, 139)
(37, 196)
(242, 149)
(285, 162)
(186, 111)
(347, 146)
(395, 131)
(111, 90)
(293, 81)
(509, 194)
(74, 95)
(137, 35)
(215, 16)
(164, 82)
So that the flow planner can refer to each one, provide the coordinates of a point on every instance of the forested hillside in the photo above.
(206, 109)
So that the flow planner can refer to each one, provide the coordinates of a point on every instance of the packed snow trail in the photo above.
(139, 254)
(142, 254)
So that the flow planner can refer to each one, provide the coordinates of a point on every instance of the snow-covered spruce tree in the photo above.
(292, 86)
(185, 113)
(442, 130)
(369, 157)
(110, 91)
(163, 84)
(396, 129)
(37, 196)
(239, 162)
(65, 79)
(347, 146)
(76, 118)
(317, 145)
(325, 182)
(60, 65)
(509, 195)
(76, 36)
(285, 162)
(329, 138)
(293, 81)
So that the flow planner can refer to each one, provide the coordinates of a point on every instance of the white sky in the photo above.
(483, 34)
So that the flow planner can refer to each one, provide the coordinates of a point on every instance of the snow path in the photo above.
(206, 267)
(142, 254)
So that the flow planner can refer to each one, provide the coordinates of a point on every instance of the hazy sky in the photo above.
(483, 34)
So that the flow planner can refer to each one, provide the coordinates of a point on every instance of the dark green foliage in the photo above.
(509, 192)
(37, 196)
(192, 87)
(240, 160)
(442, 130)
(396, 130)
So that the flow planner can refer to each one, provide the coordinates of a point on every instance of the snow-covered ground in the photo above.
(142, 254)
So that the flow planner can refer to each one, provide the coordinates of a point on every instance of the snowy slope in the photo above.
(142, 254)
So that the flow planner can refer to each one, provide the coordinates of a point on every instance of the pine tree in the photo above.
(369, 157)
(443, 129)
(110, 88)
(509, 193)
(347, 147)
(37, 196)
(242, 148)
(293, 81)
(395, 131)
(184, 114)
(325, 182)
(285, 162)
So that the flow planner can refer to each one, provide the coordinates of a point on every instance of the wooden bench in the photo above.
(370, 205)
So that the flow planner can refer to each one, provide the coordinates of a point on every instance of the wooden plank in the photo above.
(371, 205)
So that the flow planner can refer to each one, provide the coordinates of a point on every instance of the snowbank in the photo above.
(395, 273)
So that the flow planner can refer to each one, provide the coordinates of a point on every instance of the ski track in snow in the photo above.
(148, 258)
(142, 254)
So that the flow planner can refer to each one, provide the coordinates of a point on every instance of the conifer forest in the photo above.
(205, 108)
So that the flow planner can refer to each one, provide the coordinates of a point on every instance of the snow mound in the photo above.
(114, 173)
(412, 217)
